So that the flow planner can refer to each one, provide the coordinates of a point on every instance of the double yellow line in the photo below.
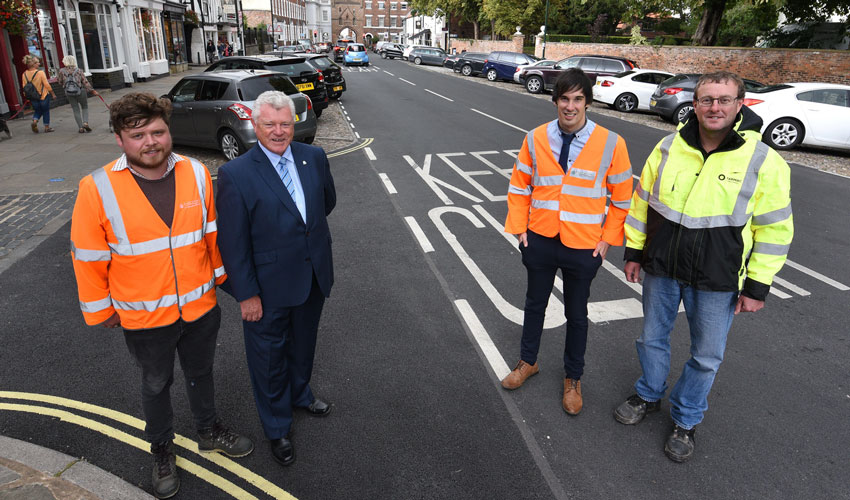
(363, 143)
(225, 463)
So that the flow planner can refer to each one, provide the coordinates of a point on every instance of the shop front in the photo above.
(175, 40)
(146, 49)
(90, 35)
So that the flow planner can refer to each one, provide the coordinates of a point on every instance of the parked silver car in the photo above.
(213, 110)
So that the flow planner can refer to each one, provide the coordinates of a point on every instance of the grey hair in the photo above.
(275, 99)
(70, 61)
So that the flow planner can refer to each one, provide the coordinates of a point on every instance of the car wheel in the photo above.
(682, 113)
(318, 112)
(417, 60)
(626, 103)
(784, 133)
(466, 70)
(384, 55)
(230, 145)
(534, 84)
(492, 75)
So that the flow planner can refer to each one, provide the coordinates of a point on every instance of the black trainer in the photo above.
(680, 445)
(220, 438)
(165, 480)
(634, 409)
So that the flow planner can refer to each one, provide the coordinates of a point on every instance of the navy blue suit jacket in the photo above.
(266, 247)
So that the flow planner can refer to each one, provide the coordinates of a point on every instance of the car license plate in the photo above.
(304, 86)
(357, 59)
(652, 102)
(338, 87)
(297, 119)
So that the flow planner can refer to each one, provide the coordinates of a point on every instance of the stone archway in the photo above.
(347, 33)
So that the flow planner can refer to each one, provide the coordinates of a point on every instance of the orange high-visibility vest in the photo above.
(126, 259)
(543, 199)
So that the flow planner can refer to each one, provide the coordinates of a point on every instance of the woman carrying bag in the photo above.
(38, 91)
(77, 87)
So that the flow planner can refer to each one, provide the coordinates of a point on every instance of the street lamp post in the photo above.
(545, 28)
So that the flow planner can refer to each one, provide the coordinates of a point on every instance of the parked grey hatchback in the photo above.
(213, 110)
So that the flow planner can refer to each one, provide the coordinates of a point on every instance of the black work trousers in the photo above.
(153, 349)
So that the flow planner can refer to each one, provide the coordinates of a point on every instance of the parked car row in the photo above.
(213, 109)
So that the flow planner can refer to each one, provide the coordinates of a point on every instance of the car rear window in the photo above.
(251, 88)
(289, 67)
(673, 80)
(356, 48)
(322, 62)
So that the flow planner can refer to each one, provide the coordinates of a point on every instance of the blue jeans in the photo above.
(709, 318)
(41, 108)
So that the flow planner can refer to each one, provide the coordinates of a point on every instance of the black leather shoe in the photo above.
(282, 451)
(319, 408)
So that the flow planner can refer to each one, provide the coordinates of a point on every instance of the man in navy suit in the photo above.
(276, 246)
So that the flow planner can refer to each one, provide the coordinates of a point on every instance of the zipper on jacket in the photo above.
(174, 268)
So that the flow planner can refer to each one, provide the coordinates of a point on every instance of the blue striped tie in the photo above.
(285, 177)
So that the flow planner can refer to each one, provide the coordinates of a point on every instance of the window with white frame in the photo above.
(325, 15)
(380, 20)
(367, 5)
(368, 20)
(381, 5)
(393, 20)
(403, 5)
(149, 34)
(393, 5)
(92, 31)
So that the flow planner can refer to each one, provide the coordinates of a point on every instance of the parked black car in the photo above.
(537, 80)
(427, 55)
(470, 63)
(673, 99)
(501, 65)
(306, 78)
(334, 81)
(213, 110)
(392, 51)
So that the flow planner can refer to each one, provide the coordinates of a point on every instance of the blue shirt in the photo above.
(553, 132)
(293, 172)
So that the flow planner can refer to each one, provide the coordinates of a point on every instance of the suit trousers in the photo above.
(280, 350)
(153, 349)
(542, 259)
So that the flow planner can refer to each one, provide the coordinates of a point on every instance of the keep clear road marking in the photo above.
(223, 484)
(500, 121)
(438, 95)
(494, 357)
(388, 184)
(407, 81)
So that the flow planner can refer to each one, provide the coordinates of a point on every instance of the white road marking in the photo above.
(613, 310)
(357, 134)
(794, 288)
(388, 184)
(512, 152)
(438, 95)
(500, 121)
(387, 72)
(432, 182)
(370, 154)
(817, 275)
(468, 177)
(494, 357)
(779, 293)
(420, 235)
(504, 172)
(407, 81)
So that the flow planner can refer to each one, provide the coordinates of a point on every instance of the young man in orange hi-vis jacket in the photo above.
(143, 243)
(557, 208)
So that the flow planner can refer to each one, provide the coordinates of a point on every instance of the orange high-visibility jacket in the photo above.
(128, 261)
(543, 199)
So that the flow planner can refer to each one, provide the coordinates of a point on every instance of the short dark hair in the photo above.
(569, 81)
(137, 109)
(720, 77)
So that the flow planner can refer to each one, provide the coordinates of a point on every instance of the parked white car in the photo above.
(629, 90)
(813, 114)
(409, 49)
(546, 63)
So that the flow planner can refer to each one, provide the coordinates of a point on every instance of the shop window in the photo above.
(149, 33)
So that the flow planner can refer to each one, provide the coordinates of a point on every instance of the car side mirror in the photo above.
(166, 96)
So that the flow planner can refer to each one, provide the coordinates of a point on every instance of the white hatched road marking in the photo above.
(817, 275)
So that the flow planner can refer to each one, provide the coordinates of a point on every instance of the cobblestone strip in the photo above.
(22, 216)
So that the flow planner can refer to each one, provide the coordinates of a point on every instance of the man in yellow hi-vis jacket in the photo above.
(711, 224)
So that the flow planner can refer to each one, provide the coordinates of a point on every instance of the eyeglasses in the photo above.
(706, 102)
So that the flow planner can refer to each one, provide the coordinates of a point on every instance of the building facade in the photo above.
(318, 14)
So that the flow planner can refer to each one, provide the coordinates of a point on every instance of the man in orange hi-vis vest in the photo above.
(143, 243)
(557, 208)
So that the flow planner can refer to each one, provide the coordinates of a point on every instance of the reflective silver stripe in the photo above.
(110, 205)
(621, 177)
(607, 154)
(211, 227)
(772, 217)
(625, 204)
(642, 193)
(665, 154)
(770, 248)
(197, 293)
(583, 192)
(529, 139)
(545, 204)
(201, 181)
(582, 218)
(146, 305)
(522, 167)
(219, 272)
(83, 255)
(522, 192)
(548, 180)
(748, 186)
(96, 305)
(158, 244)
(706, 222)
(638, 225)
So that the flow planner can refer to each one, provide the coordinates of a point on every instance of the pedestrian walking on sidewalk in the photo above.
(210, 51)
(710, 224)
(77, 87)
(143, 245)
(38, 91)
(557, 198)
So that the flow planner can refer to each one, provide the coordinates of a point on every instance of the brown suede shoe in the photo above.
(572, 396)
(517, 377)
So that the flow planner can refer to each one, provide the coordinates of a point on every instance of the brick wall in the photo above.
(763, 65)
(486, 46)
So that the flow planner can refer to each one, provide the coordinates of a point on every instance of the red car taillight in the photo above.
(240, 110)
(321, 76)
(607, 83)
(751, 102)
(673, 90)
(309, 103)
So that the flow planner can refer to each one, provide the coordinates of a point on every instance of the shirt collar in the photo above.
(582, 133)
(274, 158)
(122, 164)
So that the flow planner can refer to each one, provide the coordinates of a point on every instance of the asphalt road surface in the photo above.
(424, 320)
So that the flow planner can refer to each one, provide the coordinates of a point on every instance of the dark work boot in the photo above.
(680, 445)
(165, 480)
(634, 409)
(220, 438)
